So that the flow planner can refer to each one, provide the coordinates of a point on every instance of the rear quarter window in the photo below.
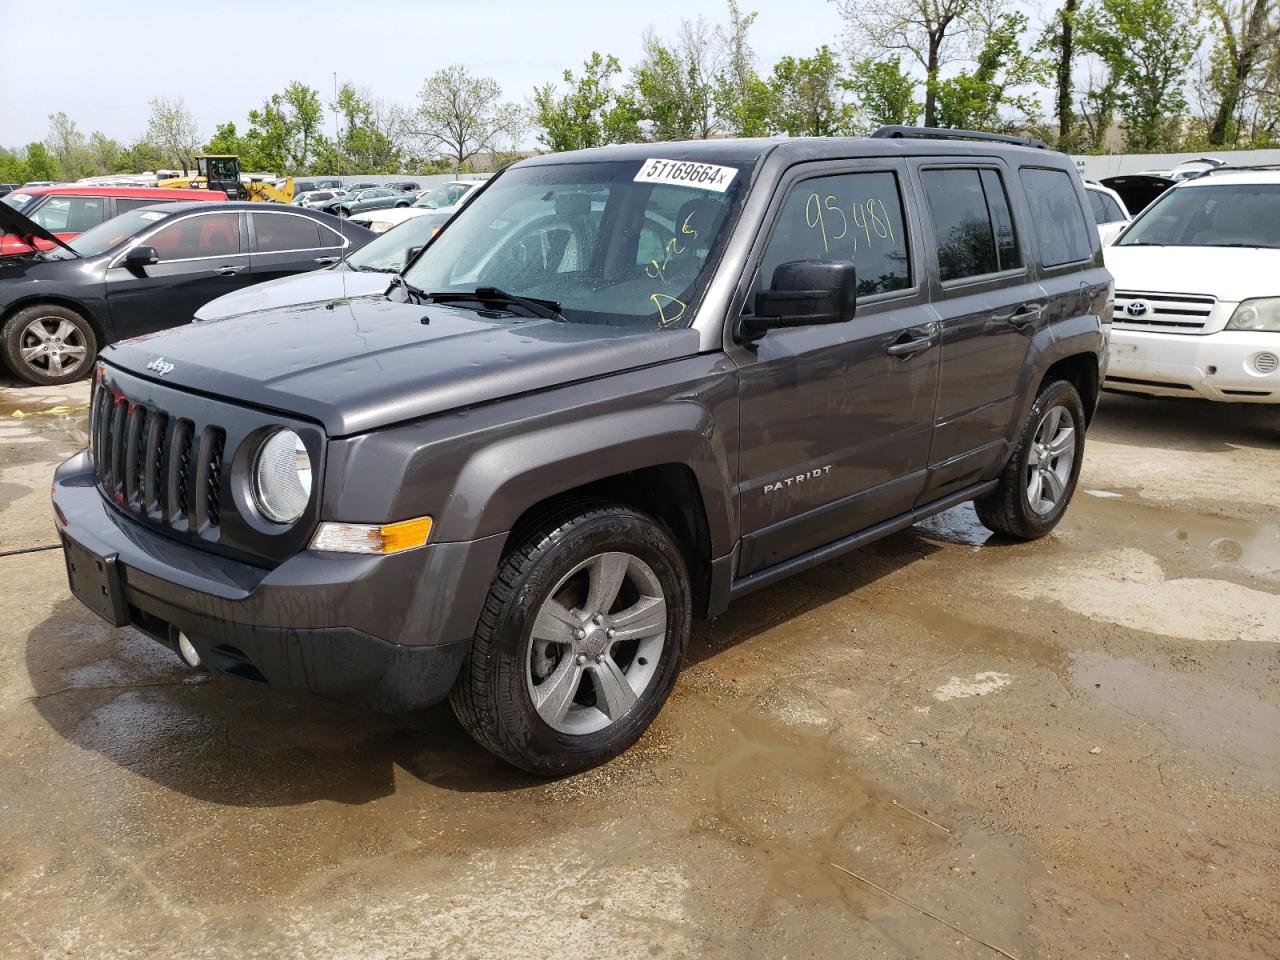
(1059, 221)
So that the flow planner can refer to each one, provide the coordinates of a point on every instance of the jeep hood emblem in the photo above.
(160, 366)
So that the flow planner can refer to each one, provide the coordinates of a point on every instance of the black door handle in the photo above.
(905, 348)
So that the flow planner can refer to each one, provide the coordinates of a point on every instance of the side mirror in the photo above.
(140, 257)
(803, 293)
(412, 252)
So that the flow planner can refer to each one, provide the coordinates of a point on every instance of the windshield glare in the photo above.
(1208, 215)
(388, 252)
(106, 235)
(589, 237)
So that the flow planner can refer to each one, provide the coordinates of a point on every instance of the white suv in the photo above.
(1197, 302)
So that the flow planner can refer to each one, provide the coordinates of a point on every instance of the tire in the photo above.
(60, 334)
(537, 638)
(1042, 447)
(344, 214)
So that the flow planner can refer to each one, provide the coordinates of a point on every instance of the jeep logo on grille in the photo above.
(1137, 308)
(160, 365)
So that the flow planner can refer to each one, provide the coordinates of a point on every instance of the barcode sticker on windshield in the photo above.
(684, 173)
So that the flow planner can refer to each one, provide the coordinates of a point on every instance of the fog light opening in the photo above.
(190, 655)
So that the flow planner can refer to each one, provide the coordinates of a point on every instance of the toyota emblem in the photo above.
(1137, 308)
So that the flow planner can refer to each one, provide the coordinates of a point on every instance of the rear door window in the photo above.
(279, 233)
(972, 222)
(1060, 225)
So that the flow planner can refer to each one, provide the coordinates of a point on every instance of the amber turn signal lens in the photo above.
(372, 538)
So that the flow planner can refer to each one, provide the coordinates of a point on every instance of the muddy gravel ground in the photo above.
(1064, 749)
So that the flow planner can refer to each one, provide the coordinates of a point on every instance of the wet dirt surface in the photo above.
(1067, 749)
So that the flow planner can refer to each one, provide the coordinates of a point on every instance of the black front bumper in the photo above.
(385, 633)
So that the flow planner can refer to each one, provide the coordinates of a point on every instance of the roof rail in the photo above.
(1230, 169)
(898, 132)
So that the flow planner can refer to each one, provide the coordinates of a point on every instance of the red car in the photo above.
(69, 210)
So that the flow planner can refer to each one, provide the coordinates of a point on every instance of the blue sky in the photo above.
(101, 62)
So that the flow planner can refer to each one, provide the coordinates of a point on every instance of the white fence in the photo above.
(1115, 164)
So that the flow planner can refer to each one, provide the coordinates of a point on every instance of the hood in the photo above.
(1228, 273)
(11, 221)
(317, 286)
(397, 215)
(357, 365)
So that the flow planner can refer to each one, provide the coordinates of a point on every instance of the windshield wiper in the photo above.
(547, 309)
(413, 293)
(1250, 246)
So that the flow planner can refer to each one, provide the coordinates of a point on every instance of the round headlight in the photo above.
(282, 477)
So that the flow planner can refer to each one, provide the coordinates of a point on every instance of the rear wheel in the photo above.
(48, 344)
(580, 640)
(1040, 478)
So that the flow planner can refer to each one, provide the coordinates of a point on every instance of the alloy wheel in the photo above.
(596, 643)
(52, 345)
(1050, 459)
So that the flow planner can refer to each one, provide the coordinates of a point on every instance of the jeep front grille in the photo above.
(155, 465)
(1166, 312)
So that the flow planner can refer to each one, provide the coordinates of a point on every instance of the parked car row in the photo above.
(144, 270)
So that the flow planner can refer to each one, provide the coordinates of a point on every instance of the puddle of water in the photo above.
(1199, 714)
(957, 525)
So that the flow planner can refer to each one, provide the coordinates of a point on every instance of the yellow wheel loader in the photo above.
(222, 172)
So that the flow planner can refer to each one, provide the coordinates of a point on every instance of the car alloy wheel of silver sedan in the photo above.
(52, 345)
(1050, 459)
(596, 643)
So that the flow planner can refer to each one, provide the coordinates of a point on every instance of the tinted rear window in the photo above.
(1060, 224)
(972, 222)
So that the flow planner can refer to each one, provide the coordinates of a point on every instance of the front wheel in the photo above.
(48, 344)
(579, 642)
(1040, 478)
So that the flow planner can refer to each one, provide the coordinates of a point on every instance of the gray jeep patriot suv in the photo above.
(621, 388)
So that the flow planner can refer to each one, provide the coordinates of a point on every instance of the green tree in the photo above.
(807, 97)
(41, 165)
(932, 32)
(13, 169)
(460, 115)
(985, 97)
(173, 131)
(69, 148)
(370, 138)
(1146, 47)
(590, 113)
(742, 99)
(883, 92)
(285, 135)
(676, 80)
(1246, 36)
(1059, 41)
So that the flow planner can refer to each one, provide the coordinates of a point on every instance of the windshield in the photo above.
(388, 252)
(615, 243)
(19, 201)
(1221, 215)
(445, 195)
(106, 235)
